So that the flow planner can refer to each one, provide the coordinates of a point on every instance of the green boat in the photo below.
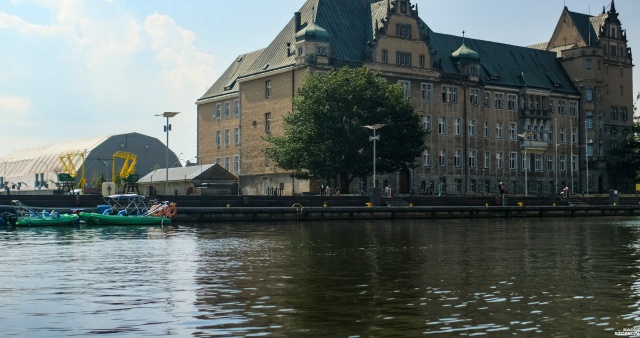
(131, 209)
(93, 218)
(44, 221)
(30, 217)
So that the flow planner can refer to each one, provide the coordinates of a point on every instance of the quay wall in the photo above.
(353, 207)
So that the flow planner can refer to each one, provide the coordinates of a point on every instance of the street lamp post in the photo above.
(571, 148)
(586, 153)
(167, 128)
(555, 162)
(374, 138)
(526, 161)
(4, 175)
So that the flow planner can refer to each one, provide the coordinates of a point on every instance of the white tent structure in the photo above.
(38, 168)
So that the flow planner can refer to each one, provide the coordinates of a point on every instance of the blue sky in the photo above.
(72, 69)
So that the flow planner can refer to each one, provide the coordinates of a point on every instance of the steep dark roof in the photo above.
(505, 65)
(228, 79)
(588, 26)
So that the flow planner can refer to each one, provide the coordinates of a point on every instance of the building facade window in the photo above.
(551, 164)
(513, 160)
(226, 163)
(236, 135)
(487, 159)
(403, 59)
(236, 163)
(227, 109)
(442, 126)
(385, 56)
(472, 158)
(403, 30)
(267, 122)
(499, 130)
(426, 123)
(457, 158)
(226, 137)
(236, 108)
(562, 164)
(427, 92)
(487, 100)
(499, 160)
(426, 158)
(442, 158)
(218, 112)
(499, 100)
(472, 128)
(574, 163)
(486, 130)
(422, 61)
(457, 128)
(474, 96)
(406, 87)
(513, 102)
(538, 162)
(267, 89)
(218, 161)
(450, 94)
(573, 108)
(218, 138)
(512, 130)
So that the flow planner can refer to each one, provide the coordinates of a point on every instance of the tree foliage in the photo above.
(325, 136)
(625, 160)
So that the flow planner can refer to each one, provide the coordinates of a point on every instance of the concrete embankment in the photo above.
(295, 208)
(232, 214)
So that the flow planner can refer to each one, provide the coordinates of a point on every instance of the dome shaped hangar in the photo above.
(37, 168)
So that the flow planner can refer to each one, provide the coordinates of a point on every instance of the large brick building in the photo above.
(493, 109)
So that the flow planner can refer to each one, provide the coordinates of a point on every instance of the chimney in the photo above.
(298, 18)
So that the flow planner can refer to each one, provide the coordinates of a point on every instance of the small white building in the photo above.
(208, 179)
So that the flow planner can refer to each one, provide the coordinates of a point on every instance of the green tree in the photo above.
(324, 135)
(625, 159)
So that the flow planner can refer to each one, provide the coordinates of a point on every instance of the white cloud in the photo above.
(185, 70)
(16, 23)
(17, 106)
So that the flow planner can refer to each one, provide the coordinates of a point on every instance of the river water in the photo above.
(567, 277)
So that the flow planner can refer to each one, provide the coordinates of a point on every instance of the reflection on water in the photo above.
(535, 277)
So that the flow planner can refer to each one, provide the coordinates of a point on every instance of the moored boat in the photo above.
(27, 216)
(131, 209)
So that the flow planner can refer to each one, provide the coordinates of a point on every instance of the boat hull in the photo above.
(92, 218)
(61, 220)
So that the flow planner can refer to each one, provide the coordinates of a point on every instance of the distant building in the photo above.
(206, 180)
(38, 168)
(493, 109)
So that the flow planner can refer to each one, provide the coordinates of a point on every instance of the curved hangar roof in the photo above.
(22, 165)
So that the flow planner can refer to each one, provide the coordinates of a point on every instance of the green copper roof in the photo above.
(350, 27)
(465, 53)
(313, 32)
(504, 65)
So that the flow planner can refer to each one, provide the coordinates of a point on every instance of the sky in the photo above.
(74, 69)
